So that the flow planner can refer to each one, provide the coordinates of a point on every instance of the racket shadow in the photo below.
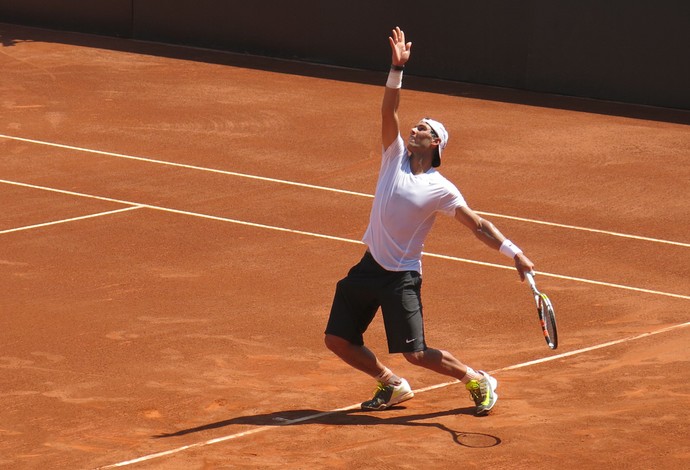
(354, 417)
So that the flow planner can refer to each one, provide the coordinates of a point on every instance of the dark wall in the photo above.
(108, 17)
(633, 51)
(483, 42)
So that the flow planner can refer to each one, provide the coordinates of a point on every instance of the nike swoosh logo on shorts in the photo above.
(408, 341)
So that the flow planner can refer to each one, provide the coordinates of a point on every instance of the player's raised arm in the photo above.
(400, 54)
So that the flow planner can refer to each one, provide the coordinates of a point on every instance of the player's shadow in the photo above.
(354, 417)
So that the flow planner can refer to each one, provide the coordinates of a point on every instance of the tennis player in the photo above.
(409, 194)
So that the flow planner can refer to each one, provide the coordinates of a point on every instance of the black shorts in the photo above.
(367, 287)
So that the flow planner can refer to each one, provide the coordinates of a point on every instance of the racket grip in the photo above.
(530, 278)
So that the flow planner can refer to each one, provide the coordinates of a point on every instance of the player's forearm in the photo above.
(391, 101)
(489, 234)
(390, 126)
(492, 237)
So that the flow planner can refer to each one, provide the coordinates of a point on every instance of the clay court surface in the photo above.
(174, 222)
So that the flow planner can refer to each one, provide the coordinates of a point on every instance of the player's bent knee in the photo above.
(335, 343)
(415, 358)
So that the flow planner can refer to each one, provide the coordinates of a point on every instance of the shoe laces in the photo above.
(475, 390)
(380, 388)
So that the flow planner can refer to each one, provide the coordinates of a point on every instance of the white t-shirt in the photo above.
(404, 210)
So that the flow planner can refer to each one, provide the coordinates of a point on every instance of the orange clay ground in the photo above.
(205, 207)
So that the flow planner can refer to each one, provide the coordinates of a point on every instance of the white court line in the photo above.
(331, 237)
(560, 276)
(325, 188)
(55, 222)
(182, 165)
(286, 422)
(585, 229)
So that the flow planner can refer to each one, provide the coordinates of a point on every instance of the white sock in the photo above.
(471, 374)
(387, 377)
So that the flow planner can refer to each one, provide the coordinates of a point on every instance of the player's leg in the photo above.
(442, 362)
(482, 386)
(404, 322)
(357, 356)
(354, 306)
(390, 389)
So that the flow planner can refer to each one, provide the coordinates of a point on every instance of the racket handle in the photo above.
(530, 278)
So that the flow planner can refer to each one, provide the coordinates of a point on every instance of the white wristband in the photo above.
(509, 249)
(394, 79)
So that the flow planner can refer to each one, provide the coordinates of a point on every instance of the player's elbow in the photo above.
(484, 228)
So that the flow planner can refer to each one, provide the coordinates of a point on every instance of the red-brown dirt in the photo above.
(197, 313)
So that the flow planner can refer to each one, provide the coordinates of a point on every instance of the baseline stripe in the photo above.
(335, 238)
(325, 188)
(286, 422)
(598, 346)
(568, 354)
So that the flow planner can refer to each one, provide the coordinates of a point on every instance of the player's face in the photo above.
(421, 137)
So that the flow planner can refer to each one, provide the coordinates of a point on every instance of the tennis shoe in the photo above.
(386, 396)
(483, 392)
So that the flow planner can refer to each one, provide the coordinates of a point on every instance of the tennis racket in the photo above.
(547, 317)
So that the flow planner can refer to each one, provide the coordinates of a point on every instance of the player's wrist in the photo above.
(395, 77)
(509, 249)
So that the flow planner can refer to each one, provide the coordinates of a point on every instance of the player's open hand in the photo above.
(399, 49)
